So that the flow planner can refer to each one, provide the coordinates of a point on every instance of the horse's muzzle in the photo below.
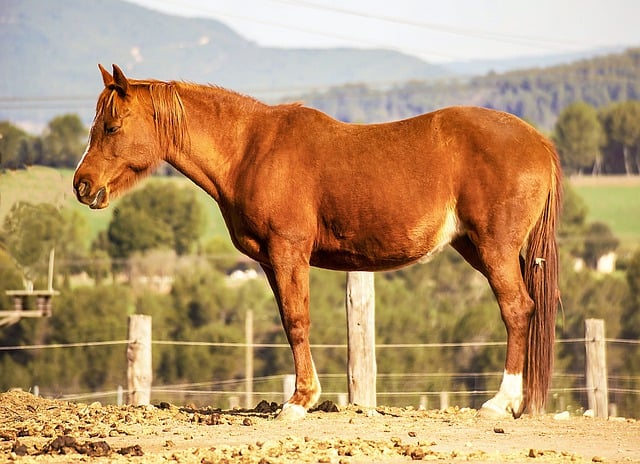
(94, 201)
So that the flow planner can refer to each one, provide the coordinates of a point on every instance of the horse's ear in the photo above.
(106, 77)
(120, 81)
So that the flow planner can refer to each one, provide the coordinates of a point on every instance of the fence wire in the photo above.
(271, 386)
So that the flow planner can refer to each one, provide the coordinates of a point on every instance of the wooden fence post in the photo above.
(596, 369)
(139, 370)
(361, 351)
(248, 359)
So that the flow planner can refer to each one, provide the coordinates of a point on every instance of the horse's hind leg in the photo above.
(502, 268)
(290, 285)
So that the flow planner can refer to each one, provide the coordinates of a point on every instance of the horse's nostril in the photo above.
(83, 188)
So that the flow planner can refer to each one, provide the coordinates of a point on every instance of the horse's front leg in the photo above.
(290, 284)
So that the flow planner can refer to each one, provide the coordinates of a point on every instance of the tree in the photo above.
(64, 141)
(85, 314)
(72, 246)
(578, 135)
(207, 308)
(29, 233)
(14, 146)
(134, 229)
(10, 279)
(622, 126)
(631, 315)
(160, 215)
(572, 221)
(599, 240)
(221, 254)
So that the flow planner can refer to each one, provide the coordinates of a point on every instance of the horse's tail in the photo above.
(541, 278)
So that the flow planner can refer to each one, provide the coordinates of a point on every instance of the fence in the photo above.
(593, 387)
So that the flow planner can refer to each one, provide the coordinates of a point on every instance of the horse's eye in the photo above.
(111, 129)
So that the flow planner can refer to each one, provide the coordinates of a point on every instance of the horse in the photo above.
(298, 188)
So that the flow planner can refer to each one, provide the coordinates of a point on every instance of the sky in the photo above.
(437, 31)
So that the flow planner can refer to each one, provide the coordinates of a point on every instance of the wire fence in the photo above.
(420, 390)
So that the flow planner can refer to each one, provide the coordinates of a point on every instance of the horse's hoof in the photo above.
(517, 413)
(491, 413)
(292, 412)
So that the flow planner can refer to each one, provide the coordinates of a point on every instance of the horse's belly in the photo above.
(386, 248)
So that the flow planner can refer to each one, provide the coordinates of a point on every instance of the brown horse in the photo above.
(298, 189)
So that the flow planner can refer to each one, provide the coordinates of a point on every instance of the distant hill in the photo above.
(50, 50)
(537, 94)
(482, 67)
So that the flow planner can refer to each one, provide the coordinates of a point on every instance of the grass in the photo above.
(613, 200)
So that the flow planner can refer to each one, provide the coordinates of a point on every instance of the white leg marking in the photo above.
(292, 412)
(450, 229)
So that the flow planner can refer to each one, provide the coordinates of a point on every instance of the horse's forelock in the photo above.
(108, 104)
(169, 114)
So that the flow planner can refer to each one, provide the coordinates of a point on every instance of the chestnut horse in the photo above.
(299, 189)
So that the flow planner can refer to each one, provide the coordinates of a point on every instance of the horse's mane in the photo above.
(169, 116)
(239, 99)
(168, 109)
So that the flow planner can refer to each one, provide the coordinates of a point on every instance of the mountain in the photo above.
(50, 50)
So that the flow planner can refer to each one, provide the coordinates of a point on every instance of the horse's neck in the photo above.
(220, 123)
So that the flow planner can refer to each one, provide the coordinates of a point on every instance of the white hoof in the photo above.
(292, 412)
(507, 402)
(490, 410)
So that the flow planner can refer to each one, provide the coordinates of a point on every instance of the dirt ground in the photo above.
(37, 430)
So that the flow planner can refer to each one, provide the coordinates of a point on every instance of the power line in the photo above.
(213, 12)
(540, 42)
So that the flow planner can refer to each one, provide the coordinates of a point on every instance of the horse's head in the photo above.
(123, 140)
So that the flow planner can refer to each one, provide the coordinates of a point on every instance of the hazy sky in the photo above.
(437, 31)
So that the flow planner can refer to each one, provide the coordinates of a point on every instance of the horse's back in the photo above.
(437, 142)
(447, 156)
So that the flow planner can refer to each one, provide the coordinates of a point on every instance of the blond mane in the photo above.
(168, 110)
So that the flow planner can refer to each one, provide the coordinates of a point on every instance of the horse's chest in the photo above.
(247, 237)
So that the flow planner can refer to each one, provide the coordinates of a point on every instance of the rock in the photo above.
(19, 449)
(562, 416)
(327, 406)
(135, 450)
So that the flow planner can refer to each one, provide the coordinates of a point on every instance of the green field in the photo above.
(613, 200)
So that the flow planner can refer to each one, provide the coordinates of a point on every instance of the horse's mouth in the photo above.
(100, 200)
